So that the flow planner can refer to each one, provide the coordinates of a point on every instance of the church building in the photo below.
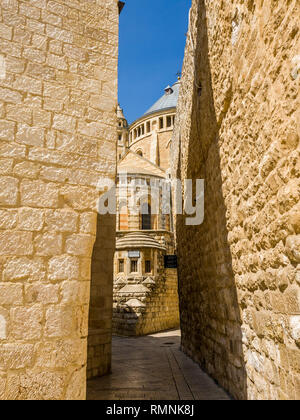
(145, 274)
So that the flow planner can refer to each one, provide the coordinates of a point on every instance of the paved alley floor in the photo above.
(153, 368)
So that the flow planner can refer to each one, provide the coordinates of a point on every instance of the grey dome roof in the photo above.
(168, 100)
(137, 240)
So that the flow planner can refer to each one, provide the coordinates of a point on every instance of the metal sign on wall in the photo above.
(133, 254)
(170, 261)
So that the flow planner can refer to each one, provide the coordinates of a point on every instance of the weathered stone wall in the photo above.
(144, 303)
(58, 93)
(162, 306)
(99, 352)
(237, 126)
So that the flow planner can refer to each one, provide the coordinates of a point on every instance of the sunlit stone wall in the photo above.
(237, 126)
(58, 94)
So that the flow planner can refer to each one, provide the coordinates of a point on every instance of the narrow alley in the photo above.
(153, 368)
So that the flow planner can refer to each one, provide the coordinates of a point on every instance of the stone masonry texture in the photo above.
(58, 95)
(237, 127)
(144, 305)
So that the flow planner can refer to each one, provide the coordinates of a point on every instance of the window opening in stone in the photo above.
(121, 266)
(134, 266)
(148, 266)
(146, 217)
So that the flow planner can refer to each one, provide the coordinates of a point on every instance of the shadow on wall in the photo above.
(210, 313)
(101, 299)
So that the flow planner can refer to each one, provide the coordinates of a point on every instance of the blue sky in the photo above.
(152, 41)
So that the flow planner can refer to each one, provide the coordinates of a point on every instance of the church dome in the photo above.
(167, 101)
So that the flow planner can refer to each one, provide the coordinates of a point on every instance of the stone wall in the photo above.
(162, 306)
(99, 353)
(237, 126)
(58, 93)
(145, 303)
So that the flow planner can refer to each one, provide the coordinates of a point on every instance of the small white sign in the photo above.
(133, 254)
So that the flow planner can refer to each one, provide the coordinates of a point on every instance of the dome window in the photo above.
(168, 90)
(161, 123)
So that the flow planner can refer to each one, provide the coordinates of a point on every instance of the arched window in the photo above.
(140, 152)
(146, 216)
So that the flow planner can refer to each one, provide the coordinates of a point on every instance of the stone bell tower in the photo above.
(123, 133)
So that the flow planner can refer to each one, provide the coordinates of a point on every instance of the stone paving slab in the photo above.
(153, 368)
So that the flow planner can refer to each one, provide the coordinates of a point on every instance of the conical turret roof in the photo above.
(120, 113)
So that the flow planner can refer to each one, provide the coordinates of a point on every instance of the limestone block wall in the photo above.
(162, 306)
(99, 353)
(237, 126)
(58, 93)
(146, 304)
